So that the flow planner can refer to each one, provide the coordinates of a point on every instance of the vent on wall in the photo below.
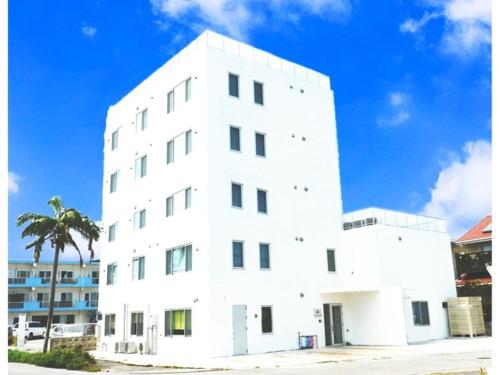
(360, 223)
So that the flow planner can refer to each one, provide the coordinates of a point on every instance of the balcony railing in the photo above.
(58, 305)
(17, 280)
(66, 280)
(28, 282)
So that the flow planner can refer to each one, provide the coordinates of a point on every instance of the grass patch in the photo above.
(69, 359)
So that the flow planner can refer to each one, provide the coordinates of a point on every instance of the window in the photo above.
(237, 254)
(114, 140)
(188, 141)
(234, 89)
(170, 101)
(267, 319)
(262, 201)
(178, 322)
(170, 206)
(236, 193)
(187, 198)
(330, 258)
(234, 138)
(137, 323)
(420, 313)
(187, 89)
(170, 151)
(109, 324)
(141, 167)
(138, 268)
(113, 183)
(139, 219)
(260, 144)
(258, 92)
(179, 259)
(111, 274)
(265, 262)
(142, 120)
(486, 248)
(112, 232)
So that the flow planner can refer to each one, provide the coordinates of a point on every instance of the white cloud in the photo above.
(396, 98)
(462, 193)
(238, 17)
(396, 119)
(13, 182)
(89, 31)
(398, 113)
(467, 25)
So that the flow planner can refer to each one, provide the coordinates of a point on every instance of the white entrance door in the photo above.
(240, 329)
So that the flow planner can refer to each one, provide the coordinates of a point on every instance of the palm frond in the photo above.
(29, 216)
(57, 205)
(39, 228)
(73, 243)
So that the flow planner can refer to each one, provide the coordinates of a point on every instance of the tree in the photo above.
(57, 231)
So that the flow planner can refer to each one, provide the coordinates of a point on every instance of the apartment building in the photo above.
(77, 291)
(223, 214)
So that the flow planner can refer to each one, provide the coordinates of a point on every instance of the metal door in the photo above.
(336, 325)
(240, 329)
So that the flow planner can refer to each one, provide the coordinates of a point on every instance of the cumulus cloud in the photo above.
(89, 31)
(238, 17)
(467, 25)
(398, 113)
(13, 182)
(462, 192)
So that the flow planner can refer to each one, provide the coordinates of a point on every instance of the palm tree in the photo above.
(57, 230)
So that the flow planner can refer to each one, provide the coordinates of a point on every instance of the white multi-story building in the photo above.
(222, 202)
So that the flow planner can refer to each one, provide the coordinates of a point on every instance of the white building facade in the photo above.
(223, 213)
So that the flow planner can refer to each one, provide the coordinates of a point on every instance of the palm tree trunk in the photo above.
(51, 301)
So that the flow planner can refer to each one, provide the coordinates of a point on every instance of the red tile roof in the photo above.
(479, 231)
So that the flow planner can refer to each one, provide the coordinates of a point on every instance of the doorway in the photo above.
(240, 330)
(334, 331)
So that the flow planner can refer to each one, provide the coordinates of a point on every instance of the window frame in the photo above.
(264, 144)
(108, 327)
(113, 267)
(187, 89)
(188, 260)
(329, 251)
(112, 230)
(233, 242)
(115, 139)
(259, 190)
(135, 324)
(268, 256)
(188, 198)
(255, 93)
(229, 75)
(238, 129)
(141, 260)
(418, 319)
(113, 187)
(169, 332)
(241, 195)
(142, 220)
(142, 162)
(143, 115)
(171, 105)
(188, 142)
(262, 307)
(169, 208)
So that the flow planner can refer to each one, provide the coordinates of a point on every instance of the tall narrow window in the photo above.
(137, 323)
(260, 144)
(330, 257)
(109, 324)
(267, 319)
(265, 262)
(170, 206)
(138, 268)
(261, 201)
(188, 140)
(142, 120)
(113, 182)
(170, 101)
(420, 313)
(111, 273)
(170, 151)
(114, 140)
(234, 138)
(140, 219)
(179, 259)
(236, 194)
(187, 198)
(178, 322)
(187, 89)
(238, 254)
(141, 167)
(234, 89)
(112, 232)
(258, 92)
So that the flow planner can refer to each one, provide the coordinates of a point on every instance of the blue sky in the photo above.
(412, 83)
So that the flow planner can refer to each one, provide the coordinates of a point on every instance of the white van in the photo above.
(33, 329)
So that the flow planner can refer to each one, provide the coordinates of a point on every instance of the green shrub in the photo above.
(70, 359)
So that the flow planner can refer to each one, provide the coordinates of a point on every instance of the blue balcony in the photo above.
(38, 282)
(27, 306)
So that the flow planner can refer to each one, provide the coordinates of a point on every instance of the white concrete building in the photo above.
(222, 202)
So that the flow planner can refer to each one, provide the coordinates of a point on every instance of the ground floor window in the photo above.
(109, 324)
(420, 313)
(136, 323)
(267, 319)
(178, 322)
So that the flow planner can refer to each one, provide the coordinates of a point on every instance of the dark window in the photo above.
(234, 89)
(109, 324)
(236, 195)
(170, 151)
(112, 232)
(178, 322)
(234, 138)
(261, 201)
(260, 144)
(111, 274)
(170, 101)
(420, 313)
(237, 254)
(137, 323)
(265, 263)
(267, 319)
(114, 140)
(113, 182)
(258, 92)
(330, 255)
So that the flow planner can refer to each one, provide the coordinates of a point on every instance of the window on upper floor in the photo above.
(178, 322)
(238, 258)
(266, 313)
(112, 232)
(236, 195)
(188, 140)
(234, 89)
(179, 259)
(170, 151)
(109, 324)
(258, 92)
(137, 323)
(113, 182)
(170, 206)
(141, 167)
(265, 260)
(187, 89)
(114, 140)
(111, 274)
(330, 259)
(260, 144)
(139, 219)
(142, 120)
(420, 313)
(261, 201)
(187, 198)
(138, 269)
(234, 138)
(170, 101)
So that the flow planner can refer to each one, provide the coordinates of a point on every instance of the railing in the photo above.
(16, 305)
(67, 280)
(24, 282)
(17, 280)
(58, 305)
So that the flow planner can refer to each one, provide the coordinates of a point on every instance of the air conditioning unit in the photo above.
(120, 347)
(130, 347)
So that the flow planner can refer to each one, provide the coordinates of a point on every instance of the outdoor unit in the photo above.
(120, 347)
(130, 347)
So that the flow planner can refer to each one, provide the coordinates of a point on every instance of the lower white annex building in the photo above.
(223, 213)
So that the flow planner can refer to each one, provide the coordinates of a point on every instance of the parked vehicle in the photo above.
(72, 330)
(33, 329)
